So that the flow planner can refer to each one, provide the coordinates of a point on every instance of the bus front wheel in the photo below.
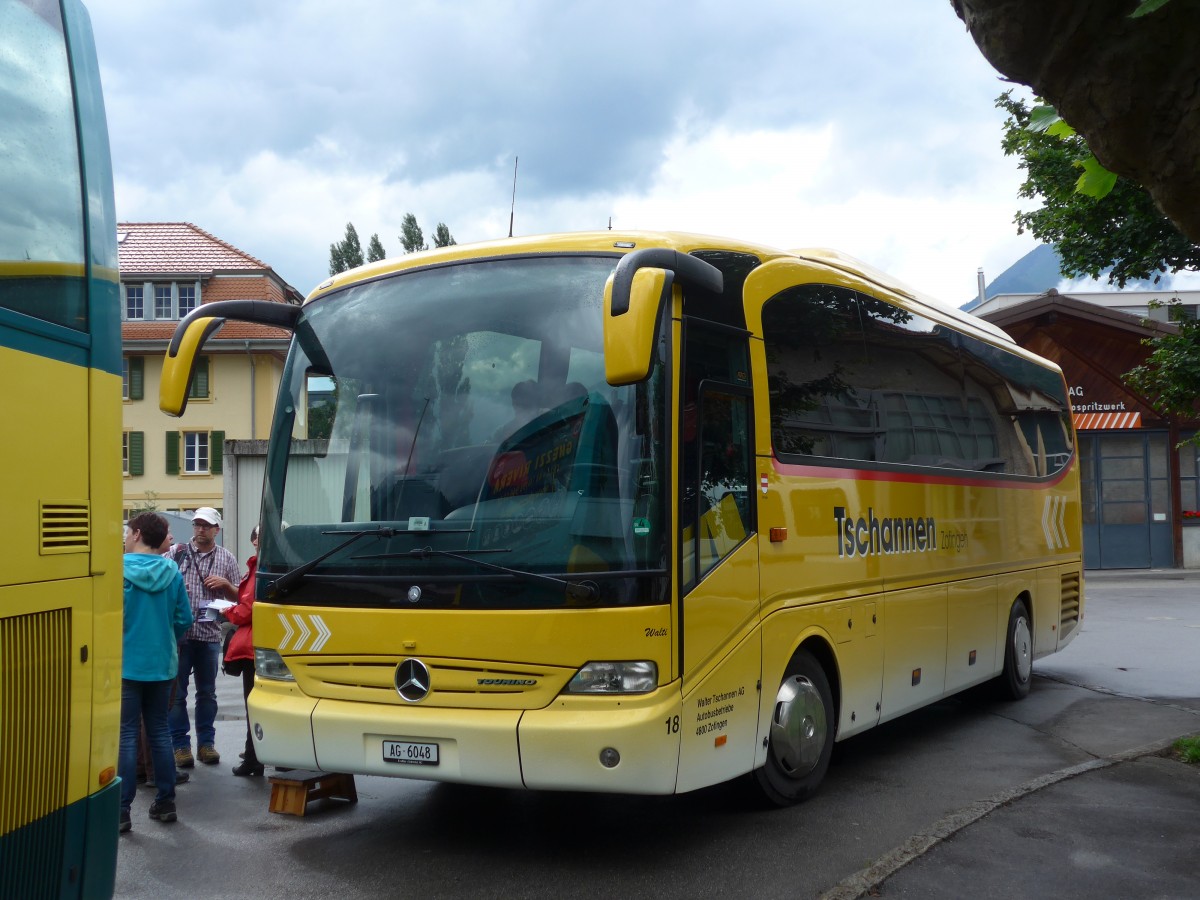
(1014, 680)
(801, 734)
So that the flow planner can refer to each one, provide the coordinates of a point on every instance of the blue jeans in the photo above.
(145, 701)
(199, 658)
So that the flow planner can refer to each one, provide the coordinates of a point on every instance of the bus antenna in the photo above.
(513, 211)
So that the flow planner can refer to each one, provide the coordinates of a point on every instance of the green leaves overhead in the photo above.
(1096, 181)
(1102, 225)
(1147, 7)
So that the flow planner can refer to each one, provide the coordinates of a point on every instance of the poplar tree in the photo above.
(442, 236)
(412, 238)
(346, 253)
(375, 249)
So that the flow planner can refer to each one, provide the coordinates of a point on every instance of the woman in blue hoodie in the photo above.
(157, 613)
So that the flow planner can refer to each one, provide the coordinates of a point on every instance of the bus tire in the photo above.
(800, 739)
(1015, 679)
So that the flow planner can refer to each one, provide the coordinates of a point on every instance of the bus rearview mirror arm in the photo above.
(196, 328)
(634, 297)
(688, 270)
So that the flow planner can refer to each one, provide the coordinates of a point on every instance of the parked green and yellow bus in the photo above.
(643, 513)
(60, 534)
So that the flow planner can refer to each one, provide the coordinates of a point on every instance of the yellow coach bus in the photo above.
(60, 532)
(643, 513)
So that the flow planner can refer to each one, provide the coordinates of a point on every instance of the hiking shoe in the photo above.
(208, 754)
(184, 758)
(163, 810)
(126, 823)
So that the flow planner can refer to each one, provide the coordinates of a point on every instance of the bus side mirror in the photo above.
(196, 328)
(180, 365)
(629, 336)
(633, 299)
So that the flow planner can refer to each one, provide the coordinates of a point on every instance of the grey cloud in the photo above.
(418, 90)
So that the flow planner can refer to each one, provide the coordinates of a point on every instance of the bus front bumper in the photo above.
(620, 745)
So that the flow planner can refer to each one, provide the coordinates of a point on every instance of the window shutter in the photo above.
(216, 452)
(137, 447)
(137, 380)
(172, 452)
(199, 389)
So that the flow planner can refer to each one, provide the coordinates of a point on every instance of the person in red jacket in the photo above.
(239, 657)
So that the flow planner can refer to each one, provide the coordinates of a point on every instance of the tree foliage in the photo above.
(375, 249)
(412, 238)
(346, 253)
(442, 236)
(1170, 376)
(1123, 230)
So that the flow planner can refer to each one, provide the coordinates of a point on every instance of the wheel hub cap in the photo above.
(798, 728)
(1022, 649)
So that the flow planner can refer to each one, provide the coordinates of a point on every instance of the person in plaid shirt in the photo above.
(210, 572)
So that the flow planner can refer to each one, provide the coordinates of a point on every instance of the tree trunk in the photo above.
(1131, 87)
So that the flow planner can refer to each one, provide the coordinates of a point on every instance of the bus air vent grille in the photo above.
(35, 710)
(65, 527)
(1069, 605)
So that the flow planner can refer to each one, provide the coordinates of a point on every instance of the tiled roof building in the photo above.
(168, 269)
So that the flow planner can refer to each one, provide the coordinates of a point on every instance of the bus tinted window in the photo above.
(41, 220)
(855, 378)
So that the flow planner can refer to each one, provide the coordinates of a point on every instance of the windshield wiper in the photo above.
(581, 591)
(288, 580)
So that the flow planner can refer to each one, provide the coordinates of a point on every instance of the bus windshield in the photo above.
(460, 417)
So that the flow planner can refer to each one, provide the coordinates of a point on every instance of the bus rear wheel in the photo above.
(1015, 679)
(801, 734)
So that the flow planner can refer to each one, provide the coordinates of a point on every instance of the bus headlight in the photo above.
(638, 677)
(269, 664)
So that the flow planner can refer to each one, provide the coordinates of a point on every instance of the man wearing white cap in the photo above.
(210, 572)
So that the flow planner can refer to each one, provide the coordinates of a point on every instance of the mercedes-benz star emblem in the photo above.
(412, 680)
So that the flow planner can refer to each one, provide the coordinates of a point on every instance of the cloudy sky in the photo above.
(868, 126)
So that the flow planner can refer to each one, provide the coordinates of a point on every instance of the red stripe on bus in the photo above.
(851, 474)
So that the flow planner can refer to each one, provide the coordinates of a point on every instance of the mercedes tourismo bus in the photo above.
(643, 513)
(60, 464)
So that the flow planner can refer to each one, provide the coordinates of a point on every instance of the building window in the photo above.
(134, 308)
(1189, 480)
(163, 307)
(195, 452)
(201, 452)
(187, 299)
(199, 389)
(133, 444)
(133, 381)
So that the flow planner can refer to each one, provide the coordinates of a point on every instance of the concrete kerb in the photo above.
(864, 881)
(1141, 575)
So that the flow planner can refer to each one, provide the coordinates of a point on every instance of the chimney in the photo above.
(982, 284)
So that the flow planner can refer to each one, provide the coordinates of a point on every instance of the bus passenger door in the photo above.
(719, 587)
